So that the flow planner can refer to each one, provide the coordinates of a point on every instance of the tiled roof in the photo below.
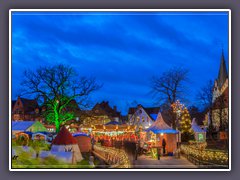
(103, 108)
(151, 111)
(29, 105)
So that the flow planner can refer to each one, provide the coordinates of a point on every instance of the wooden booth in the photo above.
(159, 131)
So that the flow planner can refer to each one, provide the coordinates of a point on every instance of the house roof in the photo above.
(151, 111)
(196, 127)
(21, 125)
(64, 137)
(29, 105)
(73, 106)
(104, 108)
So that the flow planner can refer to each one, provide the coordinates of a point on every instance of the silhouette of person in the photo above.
(164, 145)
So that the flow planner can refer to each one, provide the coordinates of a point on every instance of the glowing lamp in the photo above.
(161, 134)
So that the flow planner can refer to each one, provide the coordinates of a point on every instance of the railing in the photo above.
(205, 158)
(116, 158)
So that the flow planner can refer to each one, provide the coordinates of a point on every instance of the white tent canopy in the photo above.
(160, 126)
(65, 142)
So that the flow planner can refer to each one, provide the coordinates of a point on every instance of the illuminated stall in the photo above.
(112, 131)
(159, 131)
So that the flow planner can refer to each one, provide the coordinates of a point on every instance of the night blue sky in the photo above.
(122, 50)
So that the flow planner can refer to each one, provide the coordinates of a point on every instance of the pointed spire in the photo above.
(222, 74)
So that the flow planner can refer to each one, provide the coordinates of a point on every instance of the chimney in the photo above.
(115, 108)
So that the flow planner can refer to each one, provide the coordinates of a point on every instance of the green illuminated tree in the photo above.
(185, 126)
(56, 86)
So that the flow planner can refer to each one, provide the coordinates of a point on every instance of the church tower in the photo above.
(221, 83)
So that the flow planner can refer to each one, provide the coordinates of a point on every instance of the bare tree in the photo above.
(169, 87)
(58, 85)
(205, 97)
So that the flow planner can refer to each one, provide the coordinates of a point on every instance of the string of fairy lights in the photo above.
(185, 123)
(212, 156)
(117, 158)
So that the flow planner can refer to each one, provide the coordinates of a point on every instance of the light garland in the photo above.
(210, 156)
(177, 108)
(117, 158)
(185, 123)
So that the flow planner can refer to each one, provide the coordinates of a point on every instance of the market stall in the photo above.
(112, 133)
(162, 135)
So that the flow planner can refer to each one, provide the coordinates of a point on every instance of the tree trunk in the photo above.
(57, 125)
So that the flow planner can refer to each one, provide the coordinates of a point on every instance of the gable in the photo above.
(37, 127)
(141, 118)
(18, 106)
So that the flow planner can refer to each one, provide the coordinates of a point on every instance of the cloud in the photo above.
(122, 51)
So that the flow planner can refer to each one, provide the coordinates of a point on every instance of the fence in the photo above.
(205, 158)
(117, 158)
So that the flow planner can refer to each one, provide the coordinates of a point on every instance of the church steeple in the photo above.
(222, 74)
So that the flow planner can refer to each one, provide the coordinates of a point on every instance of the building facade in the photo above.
(221, 98)
(142, 117)
(101, 114)
(25, 109)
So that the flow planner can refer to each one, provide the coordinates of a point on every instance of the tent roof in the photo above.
(21, 125)
(160, 126)
(64, 137)
(80, 134)
(112, 123)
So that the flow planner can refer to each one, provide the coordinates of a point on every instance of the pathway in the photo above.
(164, 162)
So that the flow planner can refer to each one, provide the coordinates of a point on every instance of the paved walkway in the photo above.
(164, 162)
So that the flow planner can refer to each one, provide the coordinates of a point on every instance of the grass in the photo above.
(26, 160)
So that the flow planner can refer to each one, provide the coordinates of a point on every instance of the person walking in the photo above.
(164, 145)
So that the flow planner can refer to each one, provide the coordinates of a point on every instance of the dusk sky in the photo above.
(122, 50)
